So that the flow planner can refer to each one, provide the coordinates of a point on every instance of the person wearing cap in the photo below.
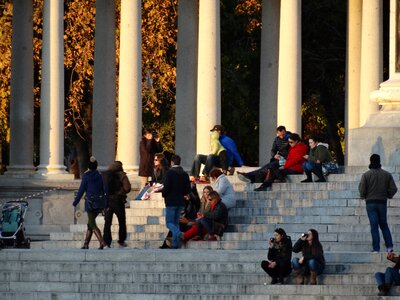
(376, 186)
(231, 149)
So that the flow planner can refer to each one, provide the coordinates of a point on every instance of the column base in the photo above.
(52, 172)
(20, 171)
(380, 135)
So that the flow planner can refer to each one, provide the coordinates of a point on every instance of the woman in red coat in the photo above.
(293, 165)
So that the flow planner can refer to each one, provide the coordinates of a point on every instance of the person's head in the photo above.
(279, 234)
(313, 142)
(293, 139)
(281, 131)
(375, 159)
(175, 160)
(147, 134)
(158, 158)
(206, 191)
(215, 173)
(312, 236)
(116, 166)
(218, 128)
(92, 165)
(214, 197)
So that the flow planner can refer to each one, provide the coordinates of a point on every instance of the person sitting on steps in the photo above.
(390, 277)
(312, 260)
(318, 155)
(278, 265)
(279, 152)
(293, 164)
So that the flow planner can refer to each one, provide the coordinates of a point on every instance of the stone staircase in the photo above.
(226, 269)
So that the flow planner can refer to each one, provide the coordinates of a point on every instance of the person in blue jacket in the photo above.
(231, 149)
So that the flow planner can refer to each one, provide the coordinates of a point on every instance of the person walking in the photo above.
(176, 187)
(117, 187)
(376, 186)
(95, 201)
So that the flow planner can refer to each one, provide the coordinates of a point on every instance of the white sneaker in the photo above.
(244, 178)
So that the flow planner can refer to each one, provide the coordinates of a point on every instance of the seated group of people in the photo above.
(280, 264)
(290, 155)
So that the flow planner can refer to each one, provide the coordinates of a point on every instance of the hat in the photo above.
(280, 231)
(217, 128)
(375, 159)
(92, 163)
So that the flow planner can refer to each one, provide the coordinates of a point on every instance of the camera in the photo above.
(304, 235)
(272, 240)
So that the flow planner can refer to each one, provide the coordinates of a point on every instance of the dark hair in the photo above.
(214, 194)
(208, 187)
(146, 130)
(281, 128)
(176, 159)
(281, 231)
(295, 137)
(215, 173)
(92, 165)
(315, 243)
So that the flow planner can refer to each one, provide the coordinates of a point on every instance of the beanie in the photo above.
(375, 159)
(92, 163)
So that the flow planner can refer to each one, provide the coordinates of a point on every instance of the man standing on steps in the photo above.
(376, 186)
(176, 188)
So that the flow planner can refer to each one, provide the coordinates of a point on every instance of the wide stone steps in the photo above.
(129, 273)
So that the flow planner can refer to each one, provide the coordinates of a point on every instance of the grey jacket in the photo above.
(377, 184)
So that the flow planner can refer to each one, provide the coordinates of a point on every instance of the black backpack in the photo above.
(114, 183)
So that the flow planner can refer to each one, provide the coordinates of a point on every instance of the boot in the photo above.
(99, 237)
(309, 177)
(313, 278)
(383, 289)
(87, 239)
(264, 186)
(299, 277)
(320, 175)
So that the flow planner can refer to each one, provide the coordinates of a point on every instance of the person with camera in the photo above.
(278, 264)
(312, 260)
(149, 146)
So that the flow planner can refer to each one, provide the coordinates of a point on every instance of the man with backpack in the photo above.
(117, 186)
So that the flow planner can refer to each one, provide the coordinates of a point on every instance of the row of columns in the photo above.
(198, 93)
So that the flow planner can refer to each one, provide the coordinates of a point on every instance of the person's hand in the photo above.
(306, 156)
(277, 156)
(200, 215)
(301, 260)
(390, 255)
(272, 264)
(157, 139)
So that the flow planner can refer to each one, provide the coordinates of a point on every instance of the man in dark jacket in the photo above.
(376, 186)
(117, 186)
(279, 153)
(176, 187)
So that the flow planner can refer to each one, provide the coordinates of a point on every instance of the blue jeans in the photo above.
(377, 215)
(172, 217)
(309, 165)
(209, 161)
(311, 265)
(390, 277)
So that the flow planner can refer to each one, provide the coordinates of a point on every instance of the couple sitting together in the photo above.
(290, 156)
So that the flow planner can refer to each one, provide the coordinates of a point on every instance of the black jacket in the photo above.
(281, 146)
(305, 248)
(176, 186)
(281, 252)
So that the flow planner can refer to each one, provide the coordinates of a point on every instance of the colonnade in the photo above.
(198, 91)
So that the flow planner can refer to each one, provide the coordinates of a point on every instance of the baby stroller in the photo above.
(12, 229)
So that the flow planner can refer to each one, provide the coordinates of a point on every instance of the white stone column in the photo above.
(52, 90)
(209, 73)
(130, 85)
(268, 77)
(104, 91)
(289, 78)
(353, 68)
(371, 57)
(21, 104)
(186, 81)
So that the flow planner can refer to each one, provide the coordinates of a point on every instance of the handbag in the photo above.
(330, 168)
(96, 202)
